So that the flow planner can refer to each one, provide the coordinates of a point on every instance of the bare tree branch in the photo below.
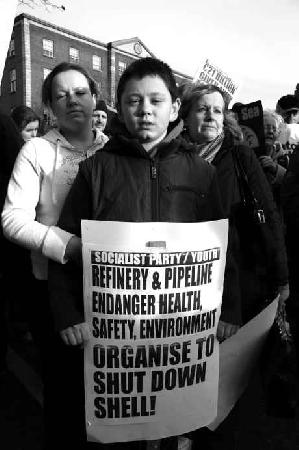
(46, 3)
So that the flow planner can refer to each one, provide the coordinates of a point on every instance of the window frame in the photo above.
(13, 81)
(11, 48)
(97, 67)
(48, 52)
(122, 65)
(73, 59)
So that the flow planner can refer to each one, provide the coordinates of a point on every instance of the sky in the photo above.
(256, 42)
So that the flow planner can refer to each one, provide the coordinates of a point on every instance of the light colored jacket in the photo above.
(41, 179)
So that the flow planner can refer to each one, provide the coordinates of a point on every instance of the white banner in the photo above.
(238, 357)
(211, 74)
(152, 295)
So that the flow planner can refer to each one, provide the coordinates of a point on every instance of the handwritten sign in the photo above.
(211, 74)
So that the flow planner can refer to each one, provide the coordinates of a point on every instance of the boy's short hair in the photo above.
(64, 67)
(148, 67)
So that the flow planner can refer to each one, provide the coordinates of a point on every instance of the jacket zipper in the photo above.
(182, 188)
(155, 191)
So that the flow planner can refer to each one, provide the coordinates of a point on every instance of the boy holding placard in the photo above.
(145, 173)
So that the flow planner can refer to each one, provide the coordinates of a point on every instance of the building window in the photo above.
(121, 67)
(96, 62)
(13, 80)
(46, 72)
(48, 48)
(11, 48)
(74, 55)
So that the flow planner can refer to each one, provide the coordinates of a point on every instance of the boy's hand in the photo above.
(226, 330)
(73, 250)
(76, 335)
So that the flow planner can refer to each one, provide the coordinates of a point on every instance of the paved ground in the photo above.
(21, 409)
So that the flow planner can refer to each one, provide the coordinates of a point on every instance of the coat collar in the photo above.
(123, 144)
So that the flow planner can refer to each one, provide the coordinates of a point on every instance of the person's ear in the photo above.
(175, 109)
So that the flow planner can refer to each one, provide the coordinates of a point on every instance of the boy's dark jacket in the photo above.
(123, 182)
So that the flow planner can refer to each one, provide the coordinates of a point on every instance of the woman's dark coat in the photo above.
(254, 288)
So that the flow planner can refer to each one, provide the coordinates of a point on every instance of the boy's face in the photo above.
(147, 108)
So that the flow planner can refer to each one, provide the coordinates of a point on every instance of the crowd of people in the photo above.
(75, 171)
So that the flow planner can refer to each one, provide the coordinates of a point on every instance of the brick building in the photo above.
(37, 46)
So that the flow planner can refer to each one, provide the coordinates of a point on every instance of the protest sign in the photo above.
(250, 118)
(289, 137)
(211, 74)
(238, 356)
(152, 296)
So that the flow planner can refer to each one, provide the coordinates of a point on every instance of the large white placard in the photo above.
(152, 296)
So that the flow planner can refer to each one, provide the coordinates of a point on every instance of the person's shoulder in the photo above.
(189, 151)
(37, 152)
(38, 141)
(245, 153)
(244, 149)
(101, 157)
(100, 139)
(37, 146)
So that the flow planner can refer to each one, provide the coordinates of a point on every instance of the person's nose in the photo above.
(72, 98)
(145, 107)
(209, 114)
(33, 133)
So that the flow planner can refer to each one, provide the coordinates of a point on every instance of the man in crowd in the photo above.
(100, 116)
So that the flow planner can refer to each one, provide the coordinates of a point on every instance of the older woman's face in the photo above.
(271, 129)
(205, 119)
